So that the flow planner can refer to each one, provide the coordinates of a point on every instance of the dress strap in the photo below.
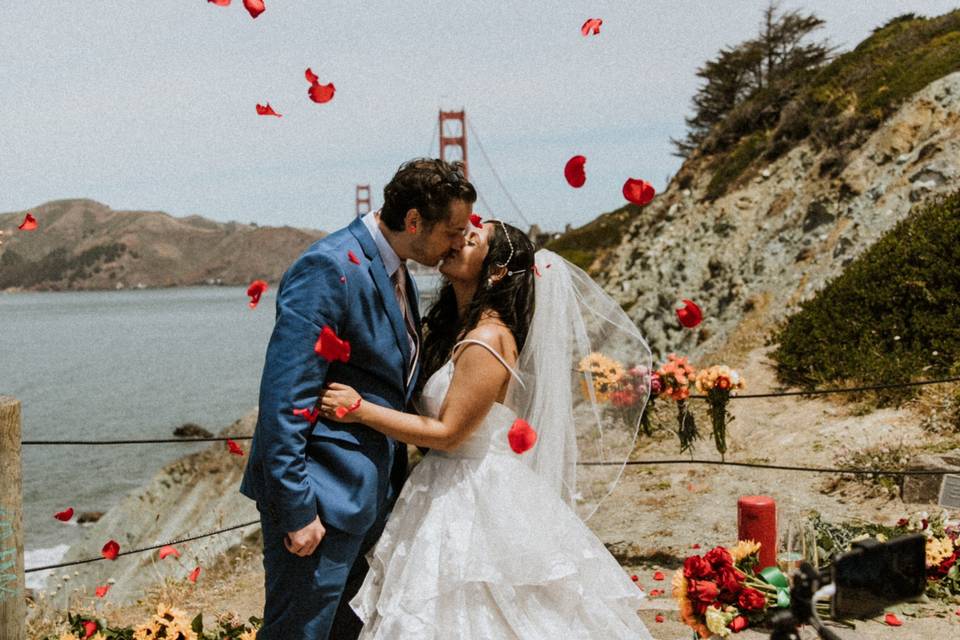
(495, 354)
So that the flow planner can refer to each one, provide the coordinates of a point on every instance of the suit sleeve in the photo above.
(310, 297)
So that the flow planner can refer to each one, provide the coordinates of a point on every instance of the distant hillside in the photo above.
(82, 244)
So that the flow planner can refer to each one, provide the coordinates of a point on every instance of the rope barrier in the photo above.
(153, 548)
(814, 392)
(757, 465)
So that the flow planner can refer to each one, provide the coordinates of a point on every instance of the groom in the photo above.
(324, 489)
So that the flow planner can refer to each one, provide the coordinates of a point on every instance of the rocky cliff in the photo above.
(82, 244)
(781, 232)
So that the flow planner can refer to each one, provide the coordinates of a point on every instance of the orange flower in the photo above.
(687, 614)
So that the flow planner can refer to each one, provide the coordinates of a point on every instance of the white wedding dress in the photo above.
(478, 547)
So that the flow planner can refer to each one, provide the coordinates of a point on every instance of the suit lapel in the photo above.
(389, 299)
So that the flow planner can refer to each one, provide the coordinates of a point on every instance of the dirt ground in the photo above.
(657, 513)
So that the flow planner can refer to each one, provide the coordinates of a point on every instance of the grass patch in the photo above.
(583, 245)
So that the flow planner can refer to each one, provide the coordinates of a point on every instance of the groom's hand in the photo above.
(305, 541)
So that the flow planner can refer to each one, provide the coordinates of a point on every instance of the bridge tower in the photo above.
(363, 199)
(454, 135)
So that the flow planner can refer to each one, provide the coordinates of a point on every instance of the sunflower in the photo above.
(687, 615)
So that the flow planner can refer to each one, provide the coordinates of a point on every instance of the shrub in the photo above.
(892, 316)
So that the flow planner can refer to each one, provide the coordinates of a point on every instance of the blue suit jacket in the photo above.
(345, 473)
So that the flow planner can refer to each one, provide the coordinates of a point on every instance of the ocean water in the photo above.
(122, 364)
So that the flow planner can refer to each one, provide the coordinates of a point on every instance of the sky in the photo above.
(150, 104)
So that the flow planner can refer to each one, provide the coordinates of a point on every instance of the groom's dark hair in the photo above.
(427, 185)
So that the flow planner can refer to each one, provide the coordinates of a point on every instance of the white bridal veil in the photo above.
(586, 372)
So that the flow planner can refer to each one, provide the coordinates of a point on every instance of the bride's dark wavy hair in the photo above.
(511, 298)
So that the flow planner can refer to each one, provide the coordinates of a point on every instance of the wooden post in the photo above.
(13, 606)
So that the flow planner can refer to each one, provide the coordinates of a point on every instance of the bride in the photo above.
(487, 538)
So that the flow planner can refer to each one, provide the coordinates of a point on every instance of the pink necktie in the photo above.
(399, 279)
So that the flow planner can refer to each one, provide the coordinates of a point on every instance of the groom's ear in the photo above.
(413, 222)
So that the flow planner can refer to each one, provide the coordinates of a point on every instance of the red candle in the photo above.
(757, 521)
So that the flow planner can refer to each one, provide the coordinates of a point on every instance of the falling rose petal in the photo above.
(635, 578)
(536, 271)
(892, 620)
(234, 448)
(342, 411)
(220, 3)
(591, 26)
(658, 576)
(255, 290)
(311, 76)
(353, 257)
(574, 172)
(476, 221)
(321, 93)
(689, 314)
(64, 516)
(255, 7)
(659, 617)
(194, 575)
(656, 593)
(522, 437)
(312, 414)
(331, 347)
(110, 550)
(168, 551)
(549, 265)
(267, 110)
(29, 223)
(90, 628)
(638, 192)
(102, 591)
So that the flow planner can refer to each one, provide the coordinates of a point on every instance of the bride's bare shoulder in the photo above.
(496, 334)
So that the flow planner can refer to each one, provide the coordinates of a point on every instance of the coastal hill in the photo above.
(83, 244)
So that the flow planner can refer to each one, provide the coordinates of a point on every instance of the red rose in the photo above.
(723, 383)
(944, 567)
(738, 624)
(696, 568)
(751, 600)
(730, 581)
(703, 591)
(718, 557)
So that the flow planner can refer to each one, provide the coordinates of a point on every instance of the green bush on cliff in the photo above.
(583, 245)
(892, 316)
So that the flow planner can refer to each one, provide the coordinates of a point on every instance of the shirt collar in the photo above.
(391, 261)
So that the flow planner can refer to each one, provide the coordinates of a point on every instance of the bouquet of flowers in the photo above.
(675, 376)
(719, 382)
(168, 623)
(718, 592)
(602, 376)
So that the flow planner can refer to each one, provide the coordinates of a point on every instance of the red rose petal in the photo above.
(738, 624)
(168, 551)
(591, 25)
(892, 620)
(659, 617)
(267, 110)
(90, 628)
(255, 290)
(656, 593)
(522, 437)
(658, 576)
(331, 347)
(342, 411)
(343, 279)
(695, 545)
(574, 173)
(194, 575)
(102, 591)
(220, 3)
(64, 516)
(110, 550)
(311, 76)
(234, 448)
(353, 257)
(311, 414)
(634, 577)
(689, 314)
(638, 192)
(475, 220)
(321, 93)
(536, 271)
(29, 223)
(255, 7)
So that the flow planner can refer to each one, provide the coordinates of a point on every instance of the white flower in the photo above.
(717, 621)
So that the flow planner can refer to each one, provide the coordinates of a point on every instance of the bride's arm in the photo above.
(477, 381)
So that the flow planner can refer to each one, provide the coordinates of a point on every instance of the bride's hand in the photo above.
(343, 397)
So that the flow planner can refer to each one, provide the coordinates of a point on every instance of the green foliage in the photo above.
(583, 245)
(56, 265)
(892, 316)
(730, 167)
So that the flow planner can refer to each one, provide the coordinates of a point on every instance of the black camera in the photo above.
(873, 575)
